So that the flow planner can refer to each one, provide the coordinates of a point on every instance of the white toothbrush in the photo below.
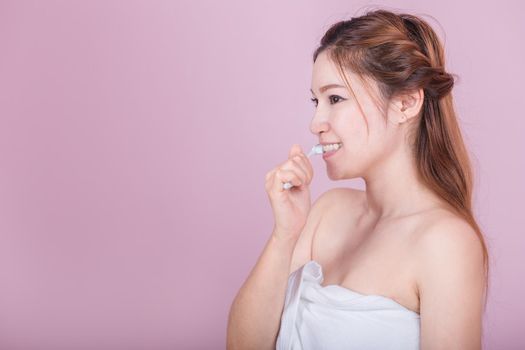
(317, 149)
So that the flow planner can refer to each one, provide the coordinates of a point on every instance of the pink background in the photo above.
(134, 141)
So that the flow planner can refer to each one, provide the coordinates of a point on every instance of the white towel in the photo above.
(334, 317)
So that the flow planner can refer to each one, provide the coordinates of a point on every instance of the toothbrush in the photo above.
(317, 149)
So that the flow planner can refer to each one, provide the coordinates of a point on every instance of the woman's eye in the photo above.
(335, 96)
(331, 98)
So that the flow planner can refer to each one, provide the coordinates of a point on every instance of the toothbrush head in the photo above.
(317, 149)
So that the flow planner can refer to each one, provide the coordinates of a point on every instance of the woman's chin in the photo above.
(334, 174)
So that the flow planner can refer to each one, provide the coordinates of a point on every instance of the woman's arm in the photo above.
(450, 282)
(255, 315)
(254, 319)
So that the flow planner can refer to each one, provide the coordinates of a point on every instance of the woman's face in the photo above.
(359, 124)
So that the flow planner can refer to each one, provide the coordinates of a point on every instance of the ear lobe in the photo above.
(411, 104)
(403, 118)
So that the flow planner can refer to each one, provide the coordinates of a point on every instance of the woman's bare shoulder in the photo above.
(438, 217)
(343, 198)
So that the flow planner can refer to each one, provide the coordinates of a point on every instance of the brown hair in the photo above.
(402, 53)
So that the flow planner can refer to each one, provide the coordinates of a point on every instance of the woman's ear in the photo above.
(407, 106)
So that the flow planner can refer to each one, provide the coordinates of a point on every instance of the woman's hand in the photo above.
(290, 207)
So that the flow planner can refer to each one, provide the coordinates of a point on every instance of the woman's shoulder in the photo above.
(442, 219)
(342, 197)
(445, 226)
(342, 200)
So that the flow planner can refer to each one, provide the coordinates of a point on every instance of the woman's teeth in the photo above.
(332, 147)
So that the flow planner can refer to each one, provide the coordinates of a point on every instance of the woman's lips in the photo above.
(330, 153)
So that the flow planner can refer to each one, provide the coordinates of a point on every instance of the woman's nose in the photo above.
(318, 125)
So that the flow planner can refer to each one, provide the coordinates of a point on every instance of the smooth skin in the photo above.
(397, 238)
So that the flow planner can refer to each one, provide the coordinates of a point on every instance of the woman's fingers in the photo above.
(305, 166)
(287, 175)
(295, 164)
(308, 165)
(296, 170)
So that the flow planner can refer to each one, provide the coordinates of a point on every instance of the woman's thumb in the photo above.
(296, 149)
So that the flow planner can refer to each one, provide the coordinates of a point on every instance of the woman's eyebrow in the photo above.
(326, 87)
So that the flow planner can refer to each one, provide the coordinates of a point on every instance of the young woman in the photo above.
(402, 265)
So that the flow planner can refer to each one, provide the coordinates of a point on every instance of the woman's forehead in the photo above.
(326, 72)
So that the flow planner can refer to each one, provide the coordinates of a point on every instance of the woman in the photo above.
(402, 265)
